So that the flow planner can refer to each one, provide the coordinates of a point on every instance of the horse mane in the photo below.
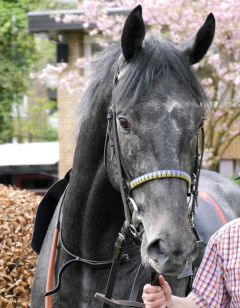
(157, 57)
(97, 86)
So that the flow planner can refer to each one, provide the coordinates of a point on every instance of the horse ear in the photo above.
(133, 33)
(196, 48)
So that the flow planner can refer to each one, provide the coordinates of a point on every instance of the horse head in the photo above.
(158, 104)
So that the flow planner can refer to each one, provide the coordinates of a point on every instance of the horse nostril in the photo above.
(158, 250)
(177, 252)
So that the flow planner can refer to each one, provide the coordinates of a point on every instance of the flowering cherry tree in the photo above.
(178, 21)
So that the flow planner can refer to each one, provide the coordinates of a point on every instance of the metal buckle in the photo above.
(191, 215)
(190, 202)
(191, 220)
(134, 205)
(133, 230)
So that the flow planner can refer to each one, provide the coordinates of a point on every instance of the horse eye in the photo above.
(124, 123)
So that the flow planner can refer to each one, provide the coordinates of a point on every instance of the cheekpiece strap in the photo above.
(161, 174)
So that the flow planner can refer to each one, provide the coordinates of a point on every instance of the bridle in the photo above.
(132, 221)
(127, 184)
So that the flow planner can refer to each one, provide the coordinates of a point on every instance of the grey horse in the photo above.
(160, 109)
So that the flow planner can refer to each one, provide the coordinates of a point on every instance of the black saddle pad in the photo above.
(46, 210)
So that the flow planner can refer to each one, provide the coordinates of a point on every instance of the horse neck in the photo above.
(92, 210)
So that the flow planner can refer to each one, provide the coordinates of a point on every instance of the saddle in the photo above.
(46, 210)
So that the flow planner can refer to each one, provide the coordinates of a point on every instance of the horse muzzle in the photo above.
(166, 260)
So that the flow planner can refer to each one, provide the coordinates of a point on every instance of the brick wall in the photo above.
(233, 151)
(67, 104)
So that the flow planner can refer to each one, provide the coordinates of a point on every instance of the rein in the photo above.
(127, 184)
(50, 290)
(132, 222)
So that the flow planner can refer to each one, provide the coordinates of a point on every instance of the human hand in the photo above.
(157, 296)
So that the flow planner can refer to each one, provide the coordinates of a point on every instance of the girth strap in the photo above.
(51, 268)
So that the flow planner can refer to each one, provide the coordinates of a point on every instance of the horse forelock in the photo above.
(157, 58)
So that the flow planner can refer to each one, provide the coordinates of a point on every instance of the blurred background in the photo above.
(45, 52)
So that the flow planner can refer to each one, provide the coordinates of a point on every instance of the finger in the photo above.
(151, 297)
(157, 304)
(161, 280)
(151, 289)
(165, 287)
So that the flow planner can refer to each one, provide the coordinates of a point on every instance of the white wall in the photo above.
(227, 167)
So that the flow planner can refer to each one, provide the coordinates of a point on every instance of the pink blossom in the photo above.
(218, 113)
(80, 63)
(177, 21)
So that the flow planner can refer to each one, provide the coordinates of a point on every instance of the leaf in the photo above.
(17, 260)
